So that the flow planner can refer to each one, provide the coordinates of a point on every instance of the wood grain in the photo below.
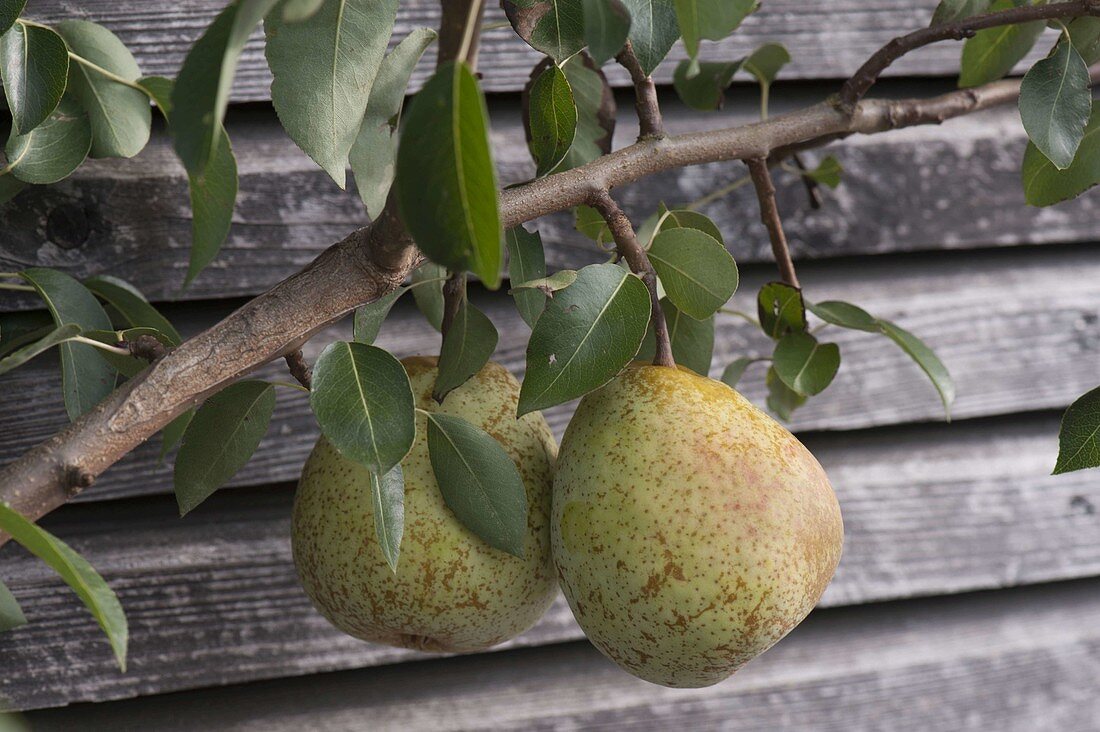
(828, 40)
(933, 188)
(1013, 327)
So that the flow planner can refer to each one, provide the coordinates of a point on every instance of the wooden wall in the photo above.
(966, 598)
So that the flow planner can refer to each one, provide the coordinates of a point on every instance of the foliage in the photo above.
(74, 90)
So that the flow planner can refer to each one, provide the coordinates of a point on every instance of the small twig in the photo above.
(813, 190)
(650, 125)
(769, 214)
(861, 82)
(299, 369)
(629, 249)
(454, 292)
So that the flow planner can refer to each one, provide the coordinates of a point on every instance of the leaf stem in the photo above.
(20, 288)
(108, 74)
(720, 193)
(100, 345)
(740, 314)
(472, 16)
(289, 385)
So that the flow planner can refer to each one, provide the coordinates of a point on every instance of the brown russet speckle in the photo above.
(452, 591)
(718, 530)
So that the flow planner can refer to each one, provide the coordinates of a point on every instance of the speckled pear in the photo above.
(690, 530)
(452, 592)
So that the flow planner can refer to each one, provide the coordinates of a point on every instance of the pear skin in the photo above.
(452, 592)
(690, 530)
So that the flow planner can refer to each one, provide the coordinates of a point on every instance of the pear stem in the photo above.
(626, 242)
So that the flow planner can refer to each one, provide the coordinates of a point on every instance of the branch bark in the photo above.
(769, 214)
(650, 125)
(626, 241)
(374, 260)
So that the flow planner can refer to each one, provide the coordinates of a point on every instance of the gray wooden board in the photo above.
(828, 40)
(213, 599)
(1017, 328)
(1015, 660)
(932, 188)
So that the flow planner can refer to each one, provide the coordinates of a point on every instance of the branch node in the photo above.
(77, 479)
(299, 368)
(147, 348)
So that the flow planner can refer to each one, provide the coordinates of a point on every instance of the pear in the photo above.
(690, 530)
(452, 592)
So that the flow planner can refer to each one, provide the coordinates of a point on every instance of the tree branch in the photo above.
(626, 241)
(861, 82)
(769, 214)
(374, 260)
(650, 125)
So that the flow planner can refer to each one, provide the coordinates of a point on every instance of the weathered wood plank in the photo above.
(954, 187)
(213, 599)
(1012, 325)
(828, 40)
(1021, 660)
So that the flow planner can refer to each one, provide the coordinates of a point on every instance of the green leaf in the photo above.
(76, 572)
(554, 27)
(220, 440)
(34, 64)
(213, 191)
(526, 262)
(11, 615)
(1084, 33)
(780, 309)
(736, 369)
(595, 112)
(374, 153)
(1055, 103)
(705, 89)
(467, 347)
(9, 11)
(1079, 437)
(558, 281)
(926, 359)
(684, 219)
(323, 69)
(653, 30)
(710, 19)
(845, 315)
(585, 337)
(551, 117)
(127, 300)
(606, 26)
(120, 115)
(592, 224)
(446, 182)
(369, 318)
(428, 294)
(805, 365)
(388, 500)
(20, 356)
(993, 52)
(698, 273)
(299, 10)
(478, 481)
(213, 196)
(85, 377)
(782, 400)
(1045, 185)
(54, 149)
(364, 404)
(173, 432)
(692, 340)
(766, 61)
(20, 328)
(10, 187)
(949, 11)
(202, 88)
(827, 172)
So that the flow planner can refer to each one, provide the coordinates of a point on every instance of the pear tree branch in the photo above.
(769, 214)
(626, 242)
(650, 125)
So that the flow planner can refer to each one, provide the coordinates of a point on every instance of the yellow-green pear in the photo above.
(690, 530)
(452, 591)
